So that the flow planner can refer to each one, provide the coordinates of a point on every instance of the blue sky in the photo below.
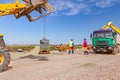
(72, 19)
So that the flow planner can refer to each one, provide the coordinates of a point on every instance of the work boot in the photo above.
(69, 52)
(72, 51)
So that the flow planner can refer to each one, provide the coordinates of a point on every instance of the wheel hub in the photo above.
(1, 59)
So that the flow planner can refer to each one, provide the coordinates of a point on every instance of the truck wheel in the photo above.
(115, 51)
(4, 60)
(118, 50)
(96, 52)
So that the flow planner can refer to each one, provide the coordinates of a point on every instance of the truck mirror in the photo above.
(91, 36)
(115, 33)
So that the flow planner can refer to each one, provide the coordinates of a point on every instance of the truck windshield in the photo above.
(103, 35)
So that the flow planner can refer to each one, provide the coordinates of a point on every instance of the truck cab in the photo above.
(104, 40)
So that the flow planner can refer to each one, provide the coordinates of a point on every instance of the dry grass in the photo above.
(14, 48)
(52, 48)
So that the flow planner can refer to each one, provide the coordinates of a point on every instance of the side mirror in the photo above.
(115, 33)
(91, 36)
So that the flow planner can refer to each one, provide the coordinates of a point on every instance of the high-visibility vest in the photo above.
(71, 44)
(64, 47)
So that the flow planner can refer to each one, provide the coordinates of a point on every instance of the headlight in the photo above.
(94, 47)
(110, 48)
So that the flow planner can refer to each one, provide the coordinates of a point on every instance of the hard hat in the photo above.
(84, 38)
(71, 39)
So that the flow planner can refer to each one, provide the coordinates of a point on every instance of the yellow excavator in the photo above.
(18, 10)
(11, 8)
(110, 25)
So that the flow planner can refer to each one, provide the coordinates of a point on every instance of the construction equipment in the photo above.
(113, 27)
(11, 8)
(26, 8)
(106, 40)
(41, 6)
(44, 46)
(4, 55)
(19, 10)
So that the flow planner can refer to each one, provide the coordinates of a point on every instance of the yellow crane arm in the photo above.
(110, 25)
(12, 8)
(7, 9)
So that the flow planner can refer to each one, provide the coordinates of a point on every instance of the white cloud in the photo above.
(74, 7)
(67, 7)
(63, 5)
(105, 3)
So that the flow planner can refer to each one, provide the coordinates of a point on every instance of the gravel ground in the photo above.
(59, 66)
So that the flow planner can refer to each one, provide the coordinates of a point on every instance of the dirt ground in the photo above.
(59, 66)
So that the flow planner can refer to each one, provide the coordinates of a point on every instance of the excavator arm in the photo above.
(11, 8)
(110, 25)
(26, 8)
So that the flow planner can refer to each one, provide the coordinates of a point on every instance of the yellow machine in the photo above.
(19, 10)
(4, 55)
(7, 9)
(110, 25)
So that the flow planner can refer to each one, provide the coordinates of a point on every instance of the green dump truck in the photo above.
(105, 41)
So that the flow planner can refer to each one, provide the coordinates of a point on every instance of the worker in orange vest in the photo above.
(65, 47)
(60, 47)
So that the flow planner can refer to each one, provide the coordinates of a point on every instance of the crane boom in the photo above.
(11, 8)
(110, 25)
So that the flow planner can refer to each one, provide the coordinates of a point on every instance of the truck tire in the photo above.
(4, 59)
(115, 51)
(96, 52)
